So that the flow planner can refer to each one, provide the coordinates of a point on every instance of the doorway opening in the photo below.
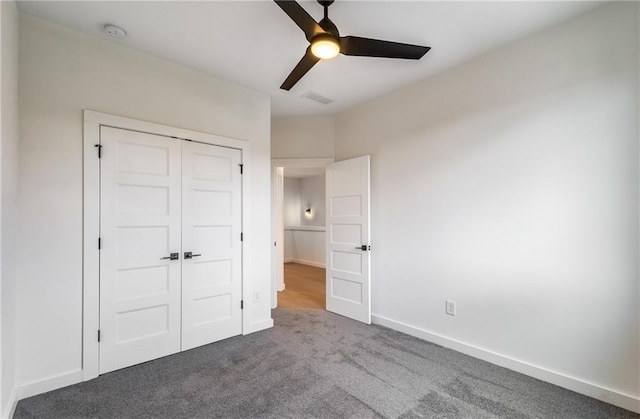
(299, 253)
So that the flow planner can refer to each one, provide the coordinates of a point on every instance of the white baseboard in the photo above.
(306, 262)
(11, 405)
(626, 401)
(258, 326)
(289, 260)
(48, 384)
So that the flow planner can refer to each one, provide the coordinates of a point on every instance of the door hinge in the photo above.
(241, 168)
(241, 237)
(98, 336)
(241, 304)
(99, 243)
(99, 146)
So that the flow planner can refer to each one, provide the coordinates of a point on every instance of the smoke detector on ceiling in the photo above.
(115, 31)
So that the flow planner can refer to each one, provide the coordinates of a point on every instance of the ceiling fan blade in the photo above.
(354, 45)
(305, 64)
(301, 18)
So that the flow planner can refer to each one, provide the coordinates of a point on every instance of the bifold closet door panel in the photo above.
(211, 228)
(140, 286)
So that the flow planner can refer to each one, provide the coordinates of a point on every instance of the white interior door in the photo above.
(211, 228)
(348, 279)
(140, 228)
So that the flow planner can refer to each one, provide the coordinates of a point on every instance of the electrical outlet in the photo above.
(256, 296)
(450, 307)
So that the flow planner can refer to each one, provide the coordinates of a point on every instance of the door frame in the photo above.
(277, 260)
(91, 219)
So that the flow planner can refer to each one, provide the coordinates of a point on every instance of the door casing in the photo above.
(91, 219)
(277, 259)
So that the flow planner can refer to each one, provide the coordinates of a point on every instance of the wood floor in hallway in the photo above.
(304, 287)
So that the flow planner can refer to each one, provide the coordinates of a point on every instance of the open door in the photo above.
(348, 256)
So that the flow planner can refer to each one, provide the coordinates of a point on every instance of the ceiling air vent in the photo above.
(316, 97)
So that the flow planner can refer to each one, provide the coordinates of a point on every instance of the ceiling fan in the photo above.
(325, 42)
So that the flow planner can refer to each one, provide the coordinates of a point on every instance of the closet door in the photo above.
(211, 244)
(140, 227)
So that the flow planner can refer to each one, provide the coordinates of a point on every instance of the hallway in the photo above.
(304, 287)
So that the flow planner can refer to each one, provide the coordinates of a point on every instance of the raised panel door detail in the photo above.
(350, 291)
(159, 196)
(142, 282)
(349, 262)
(346, 233)
(141, 245)
(141, 158)
(214, 241)
(348, 278)
(211, 274)
(213, 203)
(137, 199)
(346, 181)
(341, 206)
(140, 224)
(212, 309)
(142, 323)
(211, 167)
(211, 227)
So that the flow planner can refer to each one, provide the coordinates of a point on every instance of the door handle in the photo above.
(172, 256)
(189, 255)
(364, 248)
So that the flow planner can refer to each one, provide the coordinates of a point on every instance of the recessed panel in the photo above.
(134, 199)
(211, 203)
(142, 323)
(212, 274)
(346, 262)
(346, 233)
(143, 159)
(346, 181)
(142, 282)
(214, 242)
(346, 290)
(145, 243)
(346, 206)
(206, 167)
(211, 309)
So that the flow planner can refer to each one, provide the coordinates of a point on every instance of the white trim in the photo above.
(90, 254)
(626, 401)
(306, 262)
(258, 326)
(306, 228)
(49, 384)
(277, 284)
(12, 402)
(91, 221)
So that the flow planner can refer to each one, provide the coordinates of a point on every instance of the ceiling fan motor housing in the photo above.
(326, 42)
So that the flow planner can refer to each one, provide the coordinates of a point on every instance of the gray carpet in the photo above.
(316, 364)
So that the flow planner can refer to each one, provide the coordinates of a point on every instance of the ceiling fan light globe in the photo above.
(325, 47)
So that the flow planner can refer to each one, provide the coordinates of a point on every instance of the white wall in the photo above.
(300, 194)
(63, 72)
(312, 195)
(302, 136)
(291, 201)
(510, 185)
(304, 245)
(9, 196)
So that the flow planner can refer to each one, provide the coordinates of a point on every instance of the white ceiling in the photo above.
(254, 44)
(303, 172)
